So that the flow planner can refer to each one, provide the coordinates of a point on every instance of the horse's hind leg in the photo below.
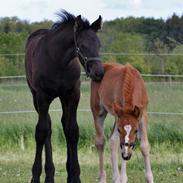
(41, 103)
(144, 145)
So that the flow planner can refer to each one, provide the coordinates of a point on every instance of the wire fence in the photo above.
(15, 83)
(165, 87)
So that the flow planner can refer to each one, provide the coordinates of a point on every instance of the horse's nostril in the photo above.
(100, 74)
(97, 77)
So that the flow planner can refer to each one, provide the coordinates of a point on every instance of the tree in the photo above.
(175, 62)
(159, 61)
(132, 48)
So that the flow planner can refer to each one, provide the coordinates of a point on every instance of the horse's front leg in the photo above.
(144, 145)
(71, 131)
(41, 103)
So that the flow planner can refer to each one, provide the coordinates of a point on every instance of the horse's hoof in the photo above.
(34, 181)
(49, 181)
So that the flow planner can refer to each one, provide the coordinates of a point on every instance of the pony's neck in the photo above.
(62, 48)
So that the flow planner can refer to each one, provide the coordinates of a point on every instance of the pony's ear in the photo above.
(137, 111)
(97, 25)
(78, 25)
(117, 109)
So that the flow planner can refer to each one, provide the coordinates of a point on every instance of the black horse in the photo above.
(53, 70)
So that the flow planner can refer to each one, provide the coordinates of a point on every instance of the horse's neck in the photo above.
(61, 47)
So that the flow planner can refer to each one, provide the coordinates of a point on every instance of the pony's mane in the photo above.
(66, 18)
(133, 89)
(128, 86)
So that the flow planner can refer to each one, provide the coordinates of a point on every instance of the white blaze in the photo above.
(127, 129)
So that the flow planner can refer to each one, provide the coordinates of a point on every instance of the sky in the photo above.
(38, 10)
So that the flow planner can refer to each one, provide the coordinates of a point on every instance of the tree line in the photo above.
(129, 36)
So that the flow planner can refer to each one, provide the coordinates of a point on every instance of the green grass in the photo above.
(167, 167)
(17, 137)
(17, 130)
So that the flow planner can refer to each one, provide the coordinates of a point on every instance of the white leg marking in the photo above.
(128, 130)
(124, 178)
(114, 145)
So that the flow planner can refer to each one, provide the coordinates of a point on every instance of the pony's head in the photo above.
(128, 126)
(88, 46)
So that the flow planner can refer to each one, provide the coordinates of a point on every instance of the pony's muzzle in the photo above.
(126, 156)
(126, 150)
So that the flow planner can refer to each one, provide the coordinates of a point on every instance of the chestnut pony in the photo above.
(121, 93)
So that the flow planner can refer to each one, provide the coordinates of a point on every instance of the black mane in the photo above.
(66, 18)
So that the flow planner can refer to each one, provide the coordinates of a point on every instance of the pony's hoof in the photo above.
(116, 180)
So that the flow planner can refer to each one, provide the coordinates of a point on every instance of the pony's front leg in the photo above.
(124, 178)
(144, 145)
(114, 145)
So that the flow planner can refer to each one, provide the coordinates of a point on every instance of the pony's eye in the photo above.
(118, 130)
(136, 131)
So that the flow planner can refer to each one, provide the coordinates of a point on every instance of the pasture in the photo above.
(17, 135)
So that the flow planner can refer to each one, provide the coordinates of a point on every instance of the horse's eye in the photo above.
(119, 130)
(136, 131)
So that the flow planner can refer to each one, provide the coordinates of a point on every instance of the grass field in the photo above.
(17, 137)
(15, 167)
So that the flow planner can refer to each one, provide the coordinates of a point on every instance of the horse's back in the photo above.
(35, 33)
(31, 47)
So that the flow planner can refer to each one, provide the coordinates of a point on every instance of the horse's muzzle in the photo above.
(96, 76)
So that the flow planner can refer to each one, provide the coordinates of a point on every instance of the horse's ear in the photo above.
(137, 111)
(97, 25)
(78, 25)
(117, 109)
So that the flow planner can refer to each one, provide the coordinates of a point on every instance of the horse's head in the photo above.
(88, 46)
(128, 126)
